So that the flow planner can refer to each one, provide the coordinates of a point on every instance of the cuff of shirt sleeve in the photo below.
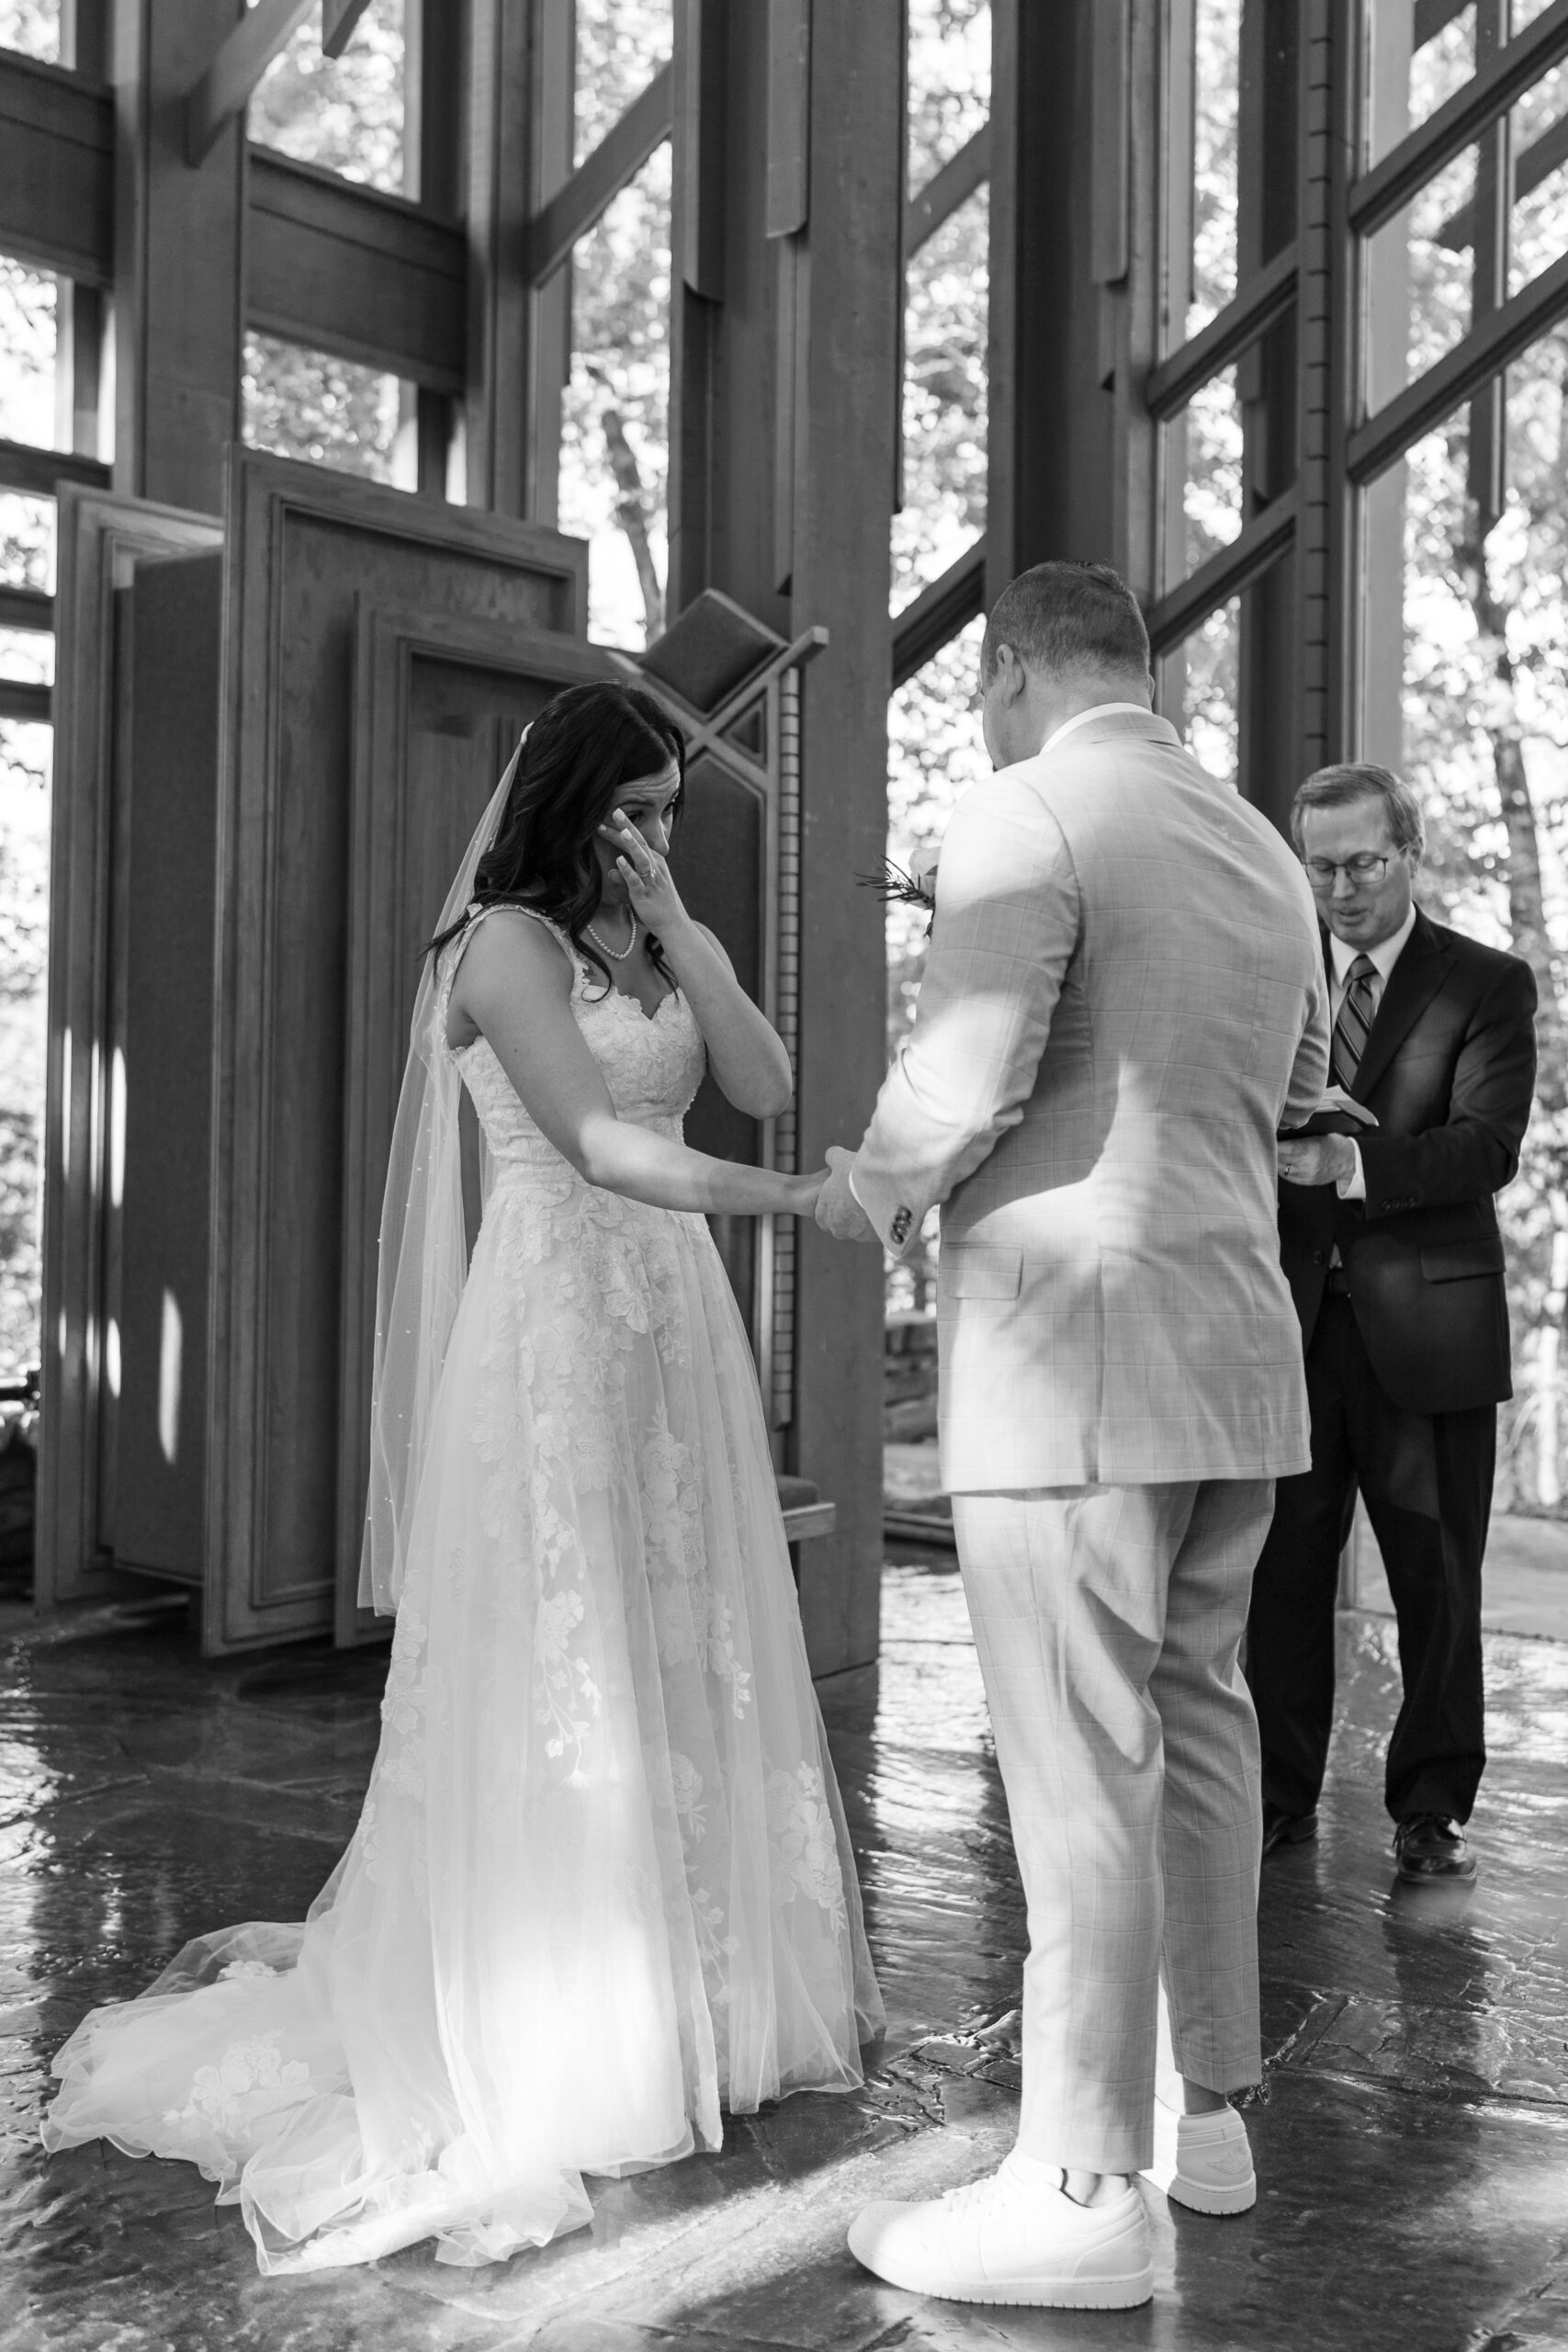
(1349, 1188)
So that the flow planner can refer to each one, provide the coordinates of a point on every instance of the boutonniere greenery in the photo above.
(910, 885)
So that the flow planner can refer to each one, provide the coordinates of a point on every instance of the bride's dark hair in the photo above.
(581, 753)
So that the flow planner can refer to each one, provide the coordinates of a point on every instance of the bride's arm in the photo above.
(514, 986)
(745, 1053)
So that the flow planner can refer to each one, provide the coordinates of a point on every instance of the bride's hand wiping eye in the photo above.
(650, 885)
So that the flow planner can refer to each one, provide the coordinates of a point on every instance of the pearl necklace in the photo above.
(616, 954)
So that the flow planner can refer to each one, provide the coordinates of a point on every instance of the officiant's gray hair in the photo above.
(1337, 787)
(1068, 619)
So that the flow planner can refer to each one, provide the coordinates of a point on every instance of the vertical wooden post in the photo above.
(1326, 533)
(847, 295)
(433, 171)
(725, 362)
(179, 260)
(1269, 729)
(1377, 722)
(522, 79)
(1053, 432)
(80, 315)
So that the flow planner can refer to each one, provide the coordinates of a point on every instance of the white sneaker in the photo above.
(1000, 2241)
(1204, 2161)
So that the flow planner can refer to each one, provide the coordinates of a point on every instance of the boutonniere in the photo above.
(911, 885)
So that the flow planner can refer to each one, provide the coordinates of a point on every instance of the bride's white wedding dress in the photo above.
(601, 1883)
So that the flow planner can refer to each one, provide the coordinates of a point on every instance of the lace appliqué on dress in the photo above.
(800, 1830)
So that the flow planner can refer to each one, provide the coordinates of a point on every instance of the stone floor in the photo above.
(1413, 2150)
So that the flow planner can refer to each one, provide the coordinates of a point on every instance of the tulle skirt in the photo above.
(601, 1884)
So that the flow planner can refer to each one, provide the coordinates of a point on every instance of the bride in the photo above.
(601, 1884)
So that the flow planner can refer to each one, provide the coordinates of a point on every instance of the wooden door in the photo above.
(441, 705)
(118, 789)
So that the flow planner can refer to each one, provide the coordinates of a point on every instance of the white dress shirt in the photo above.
(1341, 955)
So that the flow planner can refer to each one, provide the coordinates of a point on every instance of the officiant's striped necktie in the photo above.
(1354, 1025)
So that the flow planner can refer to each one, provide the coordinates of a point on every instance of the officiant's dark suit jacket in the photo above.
(1449, 1071)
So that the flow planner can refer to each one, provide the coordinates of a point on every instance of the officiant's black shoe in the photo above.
(1282, 1828)
(1430, 1846)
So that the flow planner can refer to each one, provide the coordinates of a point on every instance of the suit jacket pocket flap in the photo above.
(980, 1273)
(1456, 1261)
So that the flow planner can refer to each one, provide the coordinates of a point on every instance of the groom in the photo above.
(1123, 1000)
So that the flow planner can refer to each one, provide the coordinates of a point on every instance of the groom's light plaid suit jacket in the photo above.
(1124, 998)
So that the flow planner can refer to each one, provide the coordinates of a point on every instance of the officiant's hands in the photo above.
(838, 1211)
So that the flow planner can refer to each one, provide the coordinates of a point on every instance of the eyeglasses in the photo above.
(1368, 865)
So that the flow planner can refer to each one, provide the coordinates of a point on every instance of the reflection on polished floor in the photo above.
(1413, 2151)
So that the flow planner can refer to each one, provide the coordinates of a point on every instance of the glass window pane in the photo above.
(950, 82)
(1199, 686)
(28, 656)
(326, 411)
(1202, 458)
(1419, 283)
(944, 401)
(620, 44)
(1466, 694)
(31, 26)
(1217, 84)
(1406, 83)
(935, 753)
(614, 418)
(24, 933)
(27, 541)
(1538, 131)
(344, 113)
(27, 353)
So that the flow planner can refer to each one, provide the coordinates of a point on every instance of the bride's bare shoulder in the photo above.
(509, 953)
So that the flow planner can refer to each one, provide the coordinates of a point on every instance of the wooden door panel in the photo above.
(310, 553)
(106, 544)
(152, 1508)
(441, 705)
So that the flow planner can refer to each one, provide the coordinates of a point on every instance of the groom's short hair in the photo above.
(1068, 619)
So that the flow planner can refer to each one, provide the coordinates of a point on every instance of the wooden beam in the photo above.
(594, 186)
(349, 270)
(1266, 296)
(1379, 194)
(938, 612)
(21, 699)
(1482, 355)
(27, 608)
(37, 471)
(946, 190)
(340, 20)
(224, 90)
(789, 116)
(56, 169)
(1225, 574)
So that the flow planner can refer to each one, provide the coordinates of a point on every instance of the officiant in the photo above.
(1391, 1244)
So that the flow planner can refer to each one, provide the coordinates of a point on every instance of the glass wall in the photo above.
(309, 405)
(29, 305)
(946, 301)
(1462, 619)
(935, 747)
(345, 114)
(33, 27)
(614, 462)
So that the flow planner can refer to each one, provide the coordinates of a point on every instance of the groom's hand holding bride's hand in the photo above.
(838, 1211)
